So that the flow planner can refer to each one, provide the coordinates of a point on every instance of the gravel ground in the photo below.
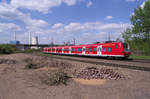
(19, 83)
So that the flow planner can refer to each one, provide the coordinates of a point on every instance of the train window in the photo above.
(109, 49)
(90, 49)
(87, 49)
(104, 49)
(116, 46)
(80, 49)
(94, 49)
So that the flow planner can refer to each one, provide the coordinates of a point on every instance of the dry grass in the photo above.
(55, 77)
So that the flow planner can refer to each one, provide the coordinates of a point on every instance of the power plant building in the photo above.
(35, 40)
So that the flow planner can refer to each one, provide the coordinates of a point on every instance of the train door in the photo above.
(99, 50)
(51, 50)
(69, 50)
(55, 50)
(62, 50)
(83, 50)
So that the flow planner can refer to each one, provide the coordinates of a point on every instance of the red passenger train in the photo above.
(112, 49)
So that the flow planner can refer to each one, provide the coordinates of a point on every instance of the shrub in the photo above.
(32, 50)
(8, 49)
(31, 64)
(55, 78)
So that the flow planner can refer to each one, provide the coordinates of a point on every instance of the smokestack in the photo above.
(29, 38)
(35, 40)
(14, 36)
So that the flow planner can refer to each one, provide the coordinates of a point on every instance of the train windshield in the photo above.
(126, 46)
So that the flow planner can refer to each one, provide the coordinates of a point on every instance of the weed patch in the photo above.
(54, 78)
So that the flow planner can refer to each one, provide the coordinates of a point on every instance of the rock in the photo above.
(103, 73)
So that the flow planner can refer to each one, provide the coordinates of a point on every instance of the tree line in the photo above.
(138, 36)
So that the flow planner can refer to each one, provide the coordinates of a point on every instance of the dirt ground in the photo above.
(16, 82)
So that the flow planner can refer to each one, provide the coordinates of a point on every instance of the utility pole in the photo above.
(74, 41)
(109, 36)
(52, 43)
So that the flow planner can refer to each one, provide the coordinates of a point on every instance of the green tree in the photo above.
(127, 35)
(141, 21)
(138, 36)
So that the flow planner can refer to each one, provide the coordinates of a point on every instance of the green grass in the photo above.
(140, 57)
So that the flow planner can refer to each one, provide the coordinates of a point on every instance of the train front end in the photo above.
(126, 50)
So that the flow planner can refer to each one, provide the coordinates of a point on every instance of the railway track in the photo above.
(132, 64)
(142, 61)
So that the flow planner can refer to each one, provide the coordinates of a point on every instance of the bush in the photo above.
(55, 78)
(31, 64)
(7, 49)
(32, 50)
(140, 47)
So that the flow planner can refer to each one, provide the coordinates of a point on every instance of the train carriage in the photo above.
(113, 49)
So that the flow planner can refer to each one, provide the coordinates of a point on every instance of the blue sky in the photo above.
(85, 20)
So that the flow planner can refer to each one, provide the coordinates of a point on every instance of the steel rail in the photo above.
(134, 67)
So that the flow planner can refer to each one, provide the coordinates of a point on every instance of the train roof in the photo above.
(87, 45)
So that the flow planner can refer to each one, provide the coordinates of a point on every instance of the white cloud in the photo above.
(70, 2)
(89, 4)
(131, 0)
(7, 27)
(87, 32)
(58, 25)
(40, 5)
(6, 32)
(84, 33)
(108, 17)
(9, 12)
